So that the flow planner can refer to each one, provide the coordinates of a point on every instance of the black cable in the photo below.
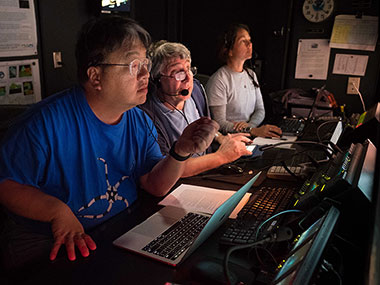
(281, 234)
(266, 147)
(328, 267)
(288, 170)
(234, 248)
(150, 130)
(319, 128)
(179, 111)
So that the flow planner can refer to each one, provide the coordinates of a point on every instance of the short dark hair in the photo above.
(229, 38)
(101, 36)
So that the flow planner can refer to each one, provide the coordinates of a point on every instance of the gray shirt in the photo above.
(233, 97)
(175, 121)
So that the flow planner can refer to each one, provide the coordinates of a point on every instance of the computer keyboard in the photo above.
(279, 172)
(292, 126)
(262, 205)
(178, 237)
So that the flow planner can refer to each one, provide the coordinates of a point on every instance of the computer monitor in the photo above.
(301, 265)
(116, 6)
(362, 168)
(373, 262)
(367, 174)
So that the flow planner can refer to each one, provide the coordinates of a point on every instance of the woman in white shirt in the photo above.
(234, 95)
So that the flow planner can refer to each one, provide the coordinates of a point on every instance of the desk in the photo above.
(111, 265)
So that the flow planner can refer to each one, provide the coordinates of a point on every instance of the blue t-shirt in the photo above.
(62, 148)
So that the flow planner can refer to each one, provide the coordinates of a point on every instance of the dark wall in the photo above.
(337, 84)
(59, 22)
(276, 27)
(204, 23)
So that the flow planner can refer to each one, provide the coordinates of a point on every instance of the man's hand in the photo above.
(233, 147)
(69, 231)
(196, 137)
(270, 131)
(238, 136)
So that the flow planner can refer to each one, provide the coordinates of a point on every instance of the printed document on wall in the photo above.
(18, 31)
(350, 32)
(312, 59)
(350, 64)
(19, 82)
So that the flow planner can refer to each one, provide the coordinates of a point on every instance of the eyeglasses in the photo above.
(134, 66)
(181, 75)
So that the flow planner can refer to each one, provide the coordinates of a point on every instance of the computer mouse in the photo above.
(229, 169)
(211, 272)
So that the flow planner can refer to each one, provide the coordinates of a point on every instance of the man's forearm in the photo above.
(163, 176)
(30, 202)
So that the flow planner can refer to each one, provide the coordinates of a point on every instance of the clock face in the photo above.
(317, 10)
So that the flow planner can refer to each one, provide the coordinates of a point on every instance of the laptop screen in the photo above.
(337, 132)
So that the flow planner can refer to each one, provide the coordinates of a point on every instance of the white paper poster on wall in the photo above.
(350, 64)
(351, 32)
(18, 33)
(19, 82)
(312, 59)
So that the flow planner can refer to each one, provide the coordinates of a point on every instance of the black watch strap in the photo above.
(175, 155)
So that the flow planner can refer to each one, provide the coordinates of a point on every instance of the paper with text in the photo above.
(201, 199)
(351, 32)
(350, 64)
(272, 141)
(312, 59)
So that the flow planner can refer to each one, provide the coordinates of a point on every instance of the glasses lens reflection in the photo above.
(136, 65)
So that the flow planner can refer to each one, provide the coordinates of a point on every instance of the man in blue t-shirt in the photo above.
(77, 158)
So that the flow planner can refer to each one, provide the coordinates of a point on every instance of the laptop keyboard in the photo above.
(261, 206)
(178, 237)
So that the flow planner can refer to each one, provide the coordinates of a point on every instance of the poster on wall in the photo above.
(19, 82)
(18, 32)
(351, 32)
(350, 64)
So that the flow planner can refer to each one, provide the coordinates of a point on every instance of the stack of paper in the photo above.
(201, 199)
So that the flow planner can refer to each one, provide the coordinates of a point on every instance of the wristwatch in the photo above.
(175, 155)
(247, 130)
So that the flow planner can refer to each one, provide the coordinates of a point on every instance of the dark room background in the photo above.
(275, 27)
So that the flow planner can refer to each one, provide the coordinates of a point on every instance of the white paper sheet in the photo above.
(350, 64)
(350, 32)
(283, 139)
(312, 59)
(201, 199)
(18, 32)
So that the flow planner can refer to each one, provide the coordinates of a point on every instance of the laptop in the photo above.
(318, 154)
(140, 238)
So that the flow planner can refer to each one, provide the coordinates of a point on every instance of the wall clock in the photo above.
(317, 11)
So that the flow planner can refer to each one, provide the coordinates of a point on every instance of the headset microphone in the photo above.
(184, 92)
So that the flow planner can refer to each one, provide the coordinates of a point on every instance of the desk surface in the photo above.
(111, 265)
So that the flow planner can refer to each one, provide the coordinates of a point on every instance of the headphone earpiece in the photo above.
(156, 82)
